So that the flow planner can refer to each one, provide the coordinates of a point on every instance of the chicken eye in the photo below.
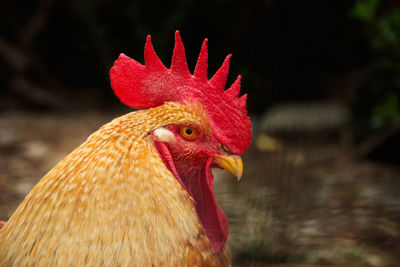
(189, 132)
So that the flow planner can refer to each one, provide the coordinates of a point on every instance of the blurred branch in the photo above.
(36, 23)
(379, 144)
(13, 56)
(34, 94)
(23, 61)
(22, 86)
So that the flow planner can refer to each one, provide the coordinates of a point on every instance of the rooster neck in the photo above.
(112, 201)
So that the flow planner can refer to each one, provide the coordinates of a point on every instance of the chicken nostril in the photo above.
(225, 149)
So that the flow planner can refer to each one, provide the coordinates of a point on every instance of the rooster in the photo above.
(139, 191)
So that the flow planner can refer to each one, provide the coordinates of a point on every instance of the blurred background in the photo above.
(322, 177)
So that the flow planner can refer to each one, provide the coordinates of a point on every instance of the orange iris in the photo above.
(189, 132)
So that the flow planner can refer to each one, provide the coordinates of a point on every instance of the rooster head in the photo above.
(214, 133)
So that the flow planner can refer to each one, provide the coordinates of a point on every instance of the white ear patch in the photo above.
(164, 135)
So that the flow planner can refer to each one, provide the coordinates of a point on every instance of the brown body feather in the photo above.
(112, 202)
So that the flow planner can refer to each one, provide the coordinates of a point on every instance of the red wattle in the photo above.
(211, 215)
(201, 189)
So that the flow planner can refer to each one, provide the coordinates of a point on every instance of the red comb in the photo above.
(152, 84)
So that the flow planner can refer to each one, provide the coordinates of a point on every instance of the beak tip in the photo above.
(231, 163)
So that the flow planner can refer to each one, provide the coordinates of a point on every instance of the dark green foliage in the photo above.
(386, 112)
(378, 103)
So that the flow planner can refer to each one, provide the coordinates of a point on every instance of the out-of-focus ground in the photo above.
(305, 203)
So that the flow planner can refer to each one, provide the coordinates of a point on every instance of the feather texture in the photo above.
(112, 202)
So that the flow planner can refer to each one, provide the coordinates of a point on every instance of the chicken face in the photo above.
(190, 150)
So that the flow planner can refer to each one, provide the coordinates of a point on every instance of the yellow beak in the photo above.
(231, 163)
